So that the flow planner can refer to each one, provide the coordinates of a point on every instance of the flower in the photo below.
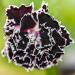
(35, 38)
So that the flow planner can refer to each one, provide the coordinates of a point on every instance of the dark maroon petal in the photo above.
(27, 22)
(22, 45)
(45, 8)
(30, 50)
(50, 58)
(12, 42)
(58, 38)
(58, 55)
(9, 33)
(43, 65)
(9, 28)
(17, 13)
(24, 10)
(44, 38)
(27, 60)
(36, 52)
(18, 60)
(19, 53)
(13, 13)
(32, 57)
(10, 53)
(41, 61)
(65, 34)
(54, 61)
(45, 18)
(27, 66)
(35, 16)
(55, 50)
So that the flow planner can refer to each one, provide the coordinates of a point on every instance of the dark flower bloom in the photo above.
(35, 39)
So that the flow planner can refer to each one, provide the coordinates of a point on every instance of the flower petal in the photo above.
(17, 13)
